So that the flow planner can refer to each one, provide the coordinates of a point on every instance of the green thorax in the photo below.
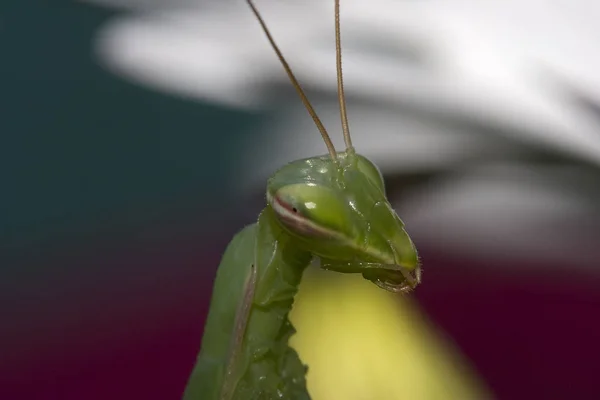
(270, 369)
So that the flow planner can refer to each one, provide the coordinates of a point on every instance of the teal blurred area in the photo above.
(82, 147)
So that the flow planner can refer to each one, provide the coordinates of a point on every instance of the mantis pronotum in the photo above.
(330, 207)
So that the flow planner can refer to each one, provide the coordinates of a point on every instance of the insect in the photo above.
(331, 207)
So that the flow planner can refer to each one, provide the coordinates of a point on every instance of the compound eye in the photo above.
(371, 171)
(309, 210)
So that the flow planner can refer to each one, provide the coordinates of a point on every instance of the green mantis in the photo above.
(332, 208)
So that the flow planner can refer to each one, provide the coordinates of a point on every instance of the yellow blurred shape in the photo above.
(362, 343)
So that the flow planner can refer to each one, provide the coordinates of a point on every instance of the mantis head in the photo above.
(338, 211)
(335, 205)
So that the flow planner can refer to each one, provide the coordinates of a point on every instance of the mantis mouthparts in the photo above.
(396, 279)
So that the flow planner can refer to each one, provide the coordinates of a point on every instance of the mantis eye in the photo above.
(307, 209)
(371, 171)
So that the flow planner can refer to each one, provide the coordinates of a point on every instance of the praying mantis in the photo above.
(332, 208)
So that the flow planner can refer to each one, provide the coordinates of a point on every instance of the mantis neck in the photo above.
(280, 264)
(254, 362)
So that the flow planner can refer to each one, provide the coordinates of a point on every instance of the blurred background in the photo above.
(136, 139)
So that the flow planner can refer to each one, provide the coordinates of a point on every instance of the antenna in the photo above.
(290, 74)
(340, 80)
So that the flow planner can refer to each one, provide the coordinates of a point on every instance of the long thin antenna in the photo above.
(340, 79)
(290, 74)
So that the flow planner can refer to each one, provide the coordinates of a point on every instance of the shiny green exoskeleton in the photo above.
(332, 208)
(338, 212)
